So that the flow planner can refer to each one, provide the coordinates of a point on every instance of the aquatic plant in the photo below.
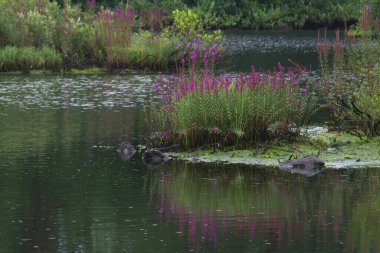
(351, 87)
(222, 109)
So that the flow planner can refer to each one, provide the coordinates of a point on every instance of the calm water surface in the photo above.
(63, 187)
(265, 49)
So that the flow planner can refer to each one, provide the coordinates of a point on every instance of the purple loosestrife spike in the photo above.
(303, 92)
(169, 91)
(198, 41)
(192, 86)
(178, 95)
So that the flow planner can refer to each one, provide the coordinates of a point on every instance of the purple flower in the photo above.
(164, 135)
(214, 130)
(193, 55)
(303, 92)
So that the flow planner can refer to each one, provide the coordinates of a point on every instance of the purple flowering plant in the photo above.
(242, 107)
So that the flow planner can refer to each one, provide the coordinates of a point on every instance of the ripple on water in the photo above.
(87, 92)
(272, 41)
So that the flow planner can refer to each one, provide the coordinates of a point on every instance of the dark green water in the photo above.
(63, 187)
(265, 49)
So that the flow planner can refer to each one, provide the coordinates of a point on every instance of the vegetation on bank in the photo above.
(259, 14)
(200, 108)
(351, 88)
(40, 34)
(203, 108)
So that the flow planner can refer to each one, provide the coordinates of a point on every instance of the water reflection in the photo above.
(230, 208)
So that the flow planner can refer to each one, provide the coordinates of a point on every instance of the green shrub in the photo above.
(352, 87)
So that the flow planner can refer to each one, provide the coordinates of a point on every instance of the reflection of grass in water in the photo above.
(364, 224)
(292, 205)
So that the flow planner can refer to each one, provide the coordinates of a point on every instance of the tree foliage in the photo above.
(260, 13)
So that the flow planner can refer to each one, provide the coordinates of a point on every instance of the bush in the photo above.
(207, 109)
(352, 87)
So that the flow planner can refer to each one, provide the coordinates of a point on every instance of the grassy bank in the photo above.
(40, 34)
(202, 109)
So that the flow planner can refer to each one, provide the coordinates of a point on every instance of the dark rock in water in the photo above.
(126, 150)
(195, 160)
(155, 157)
(308, 165)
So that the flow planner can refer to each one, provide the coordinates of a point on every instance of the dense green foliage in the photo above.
(117, 37)
(261, 13)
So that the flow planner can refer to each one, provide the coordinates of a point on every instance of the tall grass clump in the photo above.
(204, 108)
(115, 29)
(149, 51)
(25, 59)
(352, 86)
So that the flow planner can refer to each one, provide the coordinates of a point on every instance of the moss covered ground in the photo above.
(338, 150)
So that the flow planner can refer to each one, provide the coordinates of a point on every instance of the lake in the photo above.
(64, 188)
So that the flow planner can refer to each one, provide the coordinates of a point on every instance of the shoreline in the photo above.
(353, 152)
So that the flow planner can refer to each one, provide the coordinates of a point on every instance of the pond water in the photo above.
(265, 49)
(63, 187)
